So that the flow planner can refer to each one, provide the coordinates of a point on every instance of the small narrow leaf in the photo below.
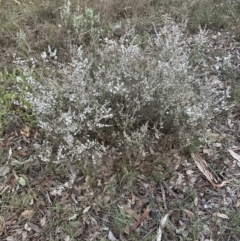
(221, 215)
(22, 181)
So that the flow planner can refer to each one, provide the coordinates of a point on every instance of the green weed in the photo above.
(14, 108)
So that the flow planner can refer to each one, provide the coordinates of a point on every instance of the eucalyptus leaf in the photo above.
(22, 181)
(4, 170)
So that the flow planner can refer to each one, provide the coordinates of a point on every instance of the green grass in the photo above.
(15, 110)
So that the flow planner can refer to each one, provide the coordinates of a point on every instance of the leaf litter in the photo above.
(160, 201)
(104, 202)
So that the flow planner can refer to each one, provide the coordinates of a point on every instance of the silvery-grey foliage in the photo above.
(124, 96)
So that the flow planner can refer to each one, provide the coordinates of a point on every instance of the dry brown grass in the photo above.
(42, 25)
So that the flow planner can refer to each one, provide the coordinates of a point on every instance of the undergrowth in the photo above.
(125, 97)
(110, 83)
(14, 108)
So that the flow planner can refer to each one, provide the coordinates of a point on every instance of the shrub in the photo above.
(125, 97)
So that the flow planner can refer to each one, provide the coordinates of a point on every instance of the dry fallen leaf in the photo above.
(131, 212)
(67, 238)
(27, 213)
(86, 209)
(73, 217)
(43, 221)
(26, 227)
(207, 151)
(164, 220)
(159, 234)
(195, 201)
(34, 227)
(221, 215)
(11, 238)
(144, 215)
(235, 156)
(223, 183)
(111, 236)
(190, 214)
(203, 167)
(21, 153)
(9, 153)
(4, 190)
(106, 199)
(189, 172)
(25, 131)
(4, 170)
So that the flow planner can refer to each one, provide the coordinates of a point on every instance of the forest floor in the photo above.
(176, 195)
